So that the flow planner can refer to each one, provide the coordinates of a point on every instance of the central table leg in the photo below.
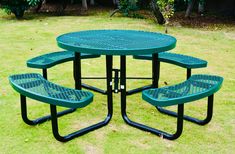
(155, 70)
(77, 71)
(109, 67)
(123, 88)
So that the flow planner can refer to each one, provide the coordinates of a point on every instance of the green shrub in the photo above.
(166, 7)
(128, 7)
(17, 7)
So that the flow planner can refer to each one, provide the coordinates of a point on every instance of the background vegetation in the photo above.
(161, 9)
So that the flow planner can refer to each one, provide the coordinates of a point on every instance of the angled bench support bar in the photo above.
(41, 119)
(137, 90)
(94, 88)
(192, 119)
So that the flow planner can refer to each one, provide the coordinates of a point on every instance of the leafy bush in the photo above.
(17, 7)
(166, 7)
(128, 7)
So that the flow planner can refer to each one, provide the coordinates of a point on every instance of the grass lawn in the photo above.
(24, 39)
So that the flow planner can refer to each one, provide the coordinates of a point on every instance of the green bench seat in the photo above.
(176, 59)
(184, 61)
(51, 59)
(195, 88)
(36, 87)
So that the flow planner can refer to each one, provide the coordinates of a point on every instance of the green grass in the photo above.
(24, 39)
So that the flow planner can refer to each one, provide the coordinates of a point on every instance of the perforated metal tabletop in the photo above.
(116, 42)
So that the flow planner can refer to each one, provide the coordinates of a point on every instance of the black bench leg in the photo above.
(73, 135)
(39, 120)
(141, 126)
(109, 64)
(191, 119)
(159, 132)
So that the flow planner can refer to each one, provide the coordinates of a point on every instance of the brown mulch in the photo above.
(205, 21)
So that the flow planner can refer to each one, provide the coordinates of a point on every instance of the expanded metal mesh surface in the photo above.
(54, 58)
(110, 40)
(194, 85)
(51, 58)
(35, 83)
(184, 59)
(178, 59)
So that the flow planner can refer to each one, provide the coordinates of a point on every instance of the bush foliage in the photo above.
(17, 7)
(128, 7)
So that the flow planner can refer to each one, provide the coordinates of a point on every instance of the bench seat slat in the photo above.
(51, 59)
(36, 87)
(176, 59)
(196, 87)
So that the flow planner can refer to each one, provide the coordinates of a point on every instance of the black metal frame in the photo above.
(192, 119)
(186, 117)
(139, 125)
(40, 120)
(124, 93)
(78, 85)
(44, 74)
(54, 114)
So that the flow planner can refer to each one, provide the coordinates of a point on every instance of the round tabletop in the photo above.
(116, 42)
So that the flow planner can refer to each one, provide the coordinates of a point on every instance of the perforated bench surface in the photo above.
(36, 87)
(196, 87)
(177, 59)
(54, 58)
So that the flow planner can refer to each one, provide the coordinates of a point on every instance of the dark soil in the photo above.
(205, 21)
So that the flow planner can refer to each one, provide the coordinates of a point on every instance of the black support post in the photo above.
(109, 67)
(77, 71)
(44, 73)
(123, 87)
(189, 72)
(116, 80)
(155, 70)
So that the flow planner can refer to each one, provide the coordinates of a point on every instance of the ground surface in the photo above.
(207, 21)
(35, 35)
